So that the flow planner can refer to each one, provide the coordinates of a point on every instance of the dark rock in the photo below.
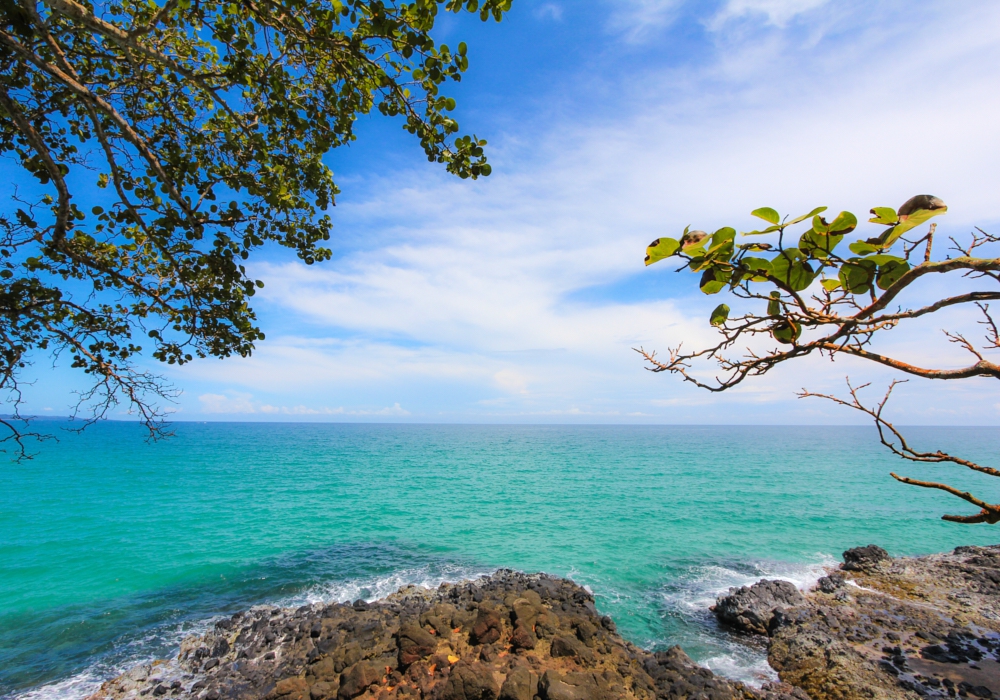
(831, 583)
(523, 637)
(415, 643)
(487, 628)
(357, 678)
(865, 559)
(751, 609)
(567, 646)
(520, 684)
(470, 681)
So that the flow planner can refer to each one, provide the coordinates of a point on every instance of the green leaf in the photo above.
(818, 245)
(720, 315)
(767, 214)
(863, 248)
(844, 223)
(830, 285)
(714, 279)
(661, 248)
(756, 268)
(755, 247)
(769, 229)
(723, 235)
(883, 258)
(890, 272)
(810, 215)
(786, 331)
(920, 216)
(857, 275)
(790, 268)
(883, 215)
(773, 306)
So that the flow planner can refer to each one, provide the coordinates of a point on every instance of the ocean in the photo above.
(112, 550)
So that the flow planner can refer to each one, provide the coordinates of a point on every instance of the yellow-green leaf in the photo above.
(661, 248)
(767, 214)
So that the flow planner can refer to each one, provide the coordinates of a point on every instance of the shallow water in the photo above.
(112, 550)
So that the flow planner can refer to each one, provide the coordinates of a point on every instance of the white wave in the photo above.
(165, 641)
(692, 594)
(700, 588)
(377, 587)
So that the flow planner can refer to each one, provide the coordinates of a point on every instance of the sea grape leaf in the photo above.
(767, 214)
(890, 272)
(786, 331)
(661, 248)
(790, 268)
(844, 223)
(883, 215)
(810, 215)
(720, 315)
(911, 221)
(714, 279)
(769, 229)
(830, 285)
(863, 248)
(857, 275)
(819, 245)
(773, 306)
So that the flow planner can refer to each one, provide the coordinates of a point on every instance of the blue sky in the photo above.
(518, 298)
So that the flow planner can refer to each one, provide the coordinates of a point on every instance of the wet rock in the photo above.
(831, 583)
(865, 558)
(494, 638)
(751, 609)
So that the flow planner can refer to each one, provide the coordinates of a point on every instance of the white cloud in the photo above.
(482, 298)
(776, 12)
(240, 403)
(549, 10)
(638, 19)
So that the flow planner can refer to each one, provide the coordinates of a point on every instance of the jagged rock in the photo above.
(913, 628)
(415, 643)
(470, 681)
(865, 558)
(751, 609)
(385, 651)
(832, 583)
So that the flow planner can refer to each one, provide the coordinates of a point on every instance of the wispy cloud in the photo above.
(243, 404)
(523, 295)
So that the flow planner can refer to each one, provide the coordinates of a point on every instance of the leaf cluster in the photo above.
(163, 144)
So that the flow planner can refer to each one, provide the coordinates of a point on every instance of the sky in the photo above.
(519, 298)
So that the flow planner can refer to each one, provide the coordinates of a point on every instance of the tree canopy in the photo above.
(157, 146)
(807, 295)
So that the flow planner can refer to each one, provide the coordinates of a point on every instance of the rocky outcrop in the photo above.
(752, 608)
(509, 636)
(884, 628)
(866, 559)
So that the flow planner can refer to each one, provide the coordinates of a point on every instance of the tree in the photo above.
(810, 296)
(159, 146)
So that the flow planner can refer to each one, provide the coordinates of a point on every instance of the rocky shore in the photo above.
(874, 628)
(509, 636)
(882, 628)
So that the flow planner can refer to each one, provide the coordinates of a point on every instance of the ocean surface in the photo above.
(112, 550)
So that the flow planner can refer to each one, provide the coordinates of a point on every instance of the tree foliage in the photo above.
(158, 145)
(811, 292)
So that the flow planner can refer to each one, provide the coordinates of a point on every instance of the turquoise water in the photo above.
(111, 549)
